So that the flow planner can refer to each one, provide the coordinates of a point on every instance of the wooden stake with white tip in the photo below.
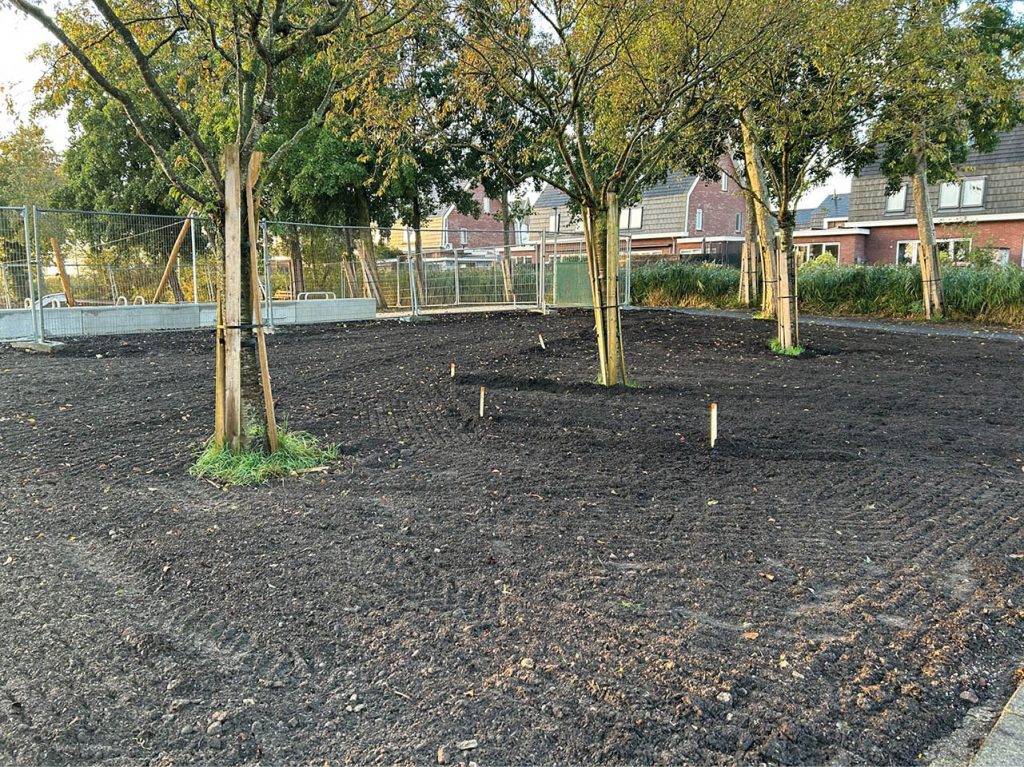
(714, 423)
(542, 346)
(483, 391)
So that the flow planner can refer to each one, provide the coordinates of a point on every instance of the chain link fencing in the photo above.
(76, 273)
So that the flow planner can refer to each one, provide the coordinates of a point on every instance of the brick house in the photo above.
(685, 217)
(983, 209)
(446, 229)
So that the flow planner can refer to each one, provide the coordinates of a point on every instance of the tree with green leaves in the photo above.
(614, 96)
(213, 72)
(30, 169)
(953, 85)
(802, 108)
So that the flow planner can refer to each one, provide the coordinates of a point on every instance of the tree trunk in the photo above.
(765, 225)
(601, 232)
(506, 251)
(786, 312)
(295, 256)
(927, 250)
(751, 253)
(366, 251)
(174, 285)
(421, 272)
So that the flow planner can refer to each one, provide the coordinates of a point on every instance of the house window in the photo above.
(805, 253)
(953, 250)
(949, 194)
(698, 220)
(444, 238)
(725, 183)
(631, 218)
(487, 204)
(973, 193)
(554, 221)
(739, 223)
(463, 236)
(897, 201)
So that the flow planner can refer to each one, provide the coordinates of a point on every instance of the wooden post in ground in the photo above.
(257, 320)
(173, 258)
(218, 405)
(232, 298)
(64, 281)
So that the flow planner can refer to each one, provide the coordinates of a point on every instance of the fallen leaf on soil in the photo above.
(750, 635)
(466, 745)
(712, 502)
(768, 576)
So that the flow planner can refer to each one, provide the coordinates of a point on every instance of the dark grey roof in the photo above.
(1010, 149)
(833, 206)
(675, 184)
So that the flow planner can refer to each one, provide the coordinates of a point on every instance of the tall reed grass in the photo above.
(991, 294)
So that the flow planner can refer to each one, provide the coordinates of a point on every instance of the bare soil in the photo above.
(576, 578)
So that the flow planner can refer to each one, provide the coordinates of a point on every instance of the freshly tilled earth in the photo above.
(576, 578)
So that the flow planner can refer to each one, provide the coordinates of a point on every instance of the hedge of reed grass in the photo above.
(990, 294)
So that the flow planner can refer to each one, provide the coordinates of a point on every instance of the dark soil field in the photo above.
(576, 578)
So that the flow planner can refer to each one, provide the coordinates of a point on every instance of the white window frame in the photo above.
(739, 223)
(698, 220)
(725, 183)
(554, 221)
(487, 204)
(947, 188)
(463, 236)
(947, 241)
(891, 199)
(631, 218)
(812, 250)
(963, 192)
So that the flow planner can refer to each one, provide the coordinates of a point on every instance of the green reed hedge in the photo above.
(987, 294)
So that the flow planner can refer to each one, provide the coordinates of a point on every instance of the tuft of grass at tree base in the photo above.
(297, 451)
(788, 351)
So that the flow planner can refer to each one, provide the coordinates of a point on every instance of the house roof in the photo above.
(1010, 149)
(675, 184)
(833, 206)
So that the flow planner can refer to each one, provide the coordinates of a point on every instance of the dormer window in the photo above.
(725, 183)
(949, 194)
(897, 201)
(969, 193)
(631, 218)
(973, 193)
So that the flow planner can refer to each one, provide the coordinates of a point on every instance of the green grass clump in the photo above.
(789, 351)
(694, 285)
(297, 450)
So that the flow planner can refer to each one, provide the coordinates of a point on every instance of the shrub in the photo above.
(703, 285)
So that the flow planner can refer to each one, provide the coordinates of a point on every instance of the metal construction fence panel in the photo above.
(67, 272)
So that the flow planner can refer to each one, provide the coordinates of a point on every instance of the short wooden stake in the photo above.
(541, 337)
(255, 162)
(172, 259)
(483, 391)
(714, 423)
(64, 281)
(453, 370)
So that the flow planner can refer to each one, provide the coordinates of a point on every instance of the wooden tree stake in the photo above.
(541, 337)
(453, 370)
(218, 418)
(257, 315)
(64, 281)
(232, 298)
(173, 258)
(714, 423)
(483, 392)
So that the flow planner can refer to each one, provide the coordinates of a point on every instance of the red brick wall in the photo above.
(881, 244)
(720, 208)
(484, 231)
